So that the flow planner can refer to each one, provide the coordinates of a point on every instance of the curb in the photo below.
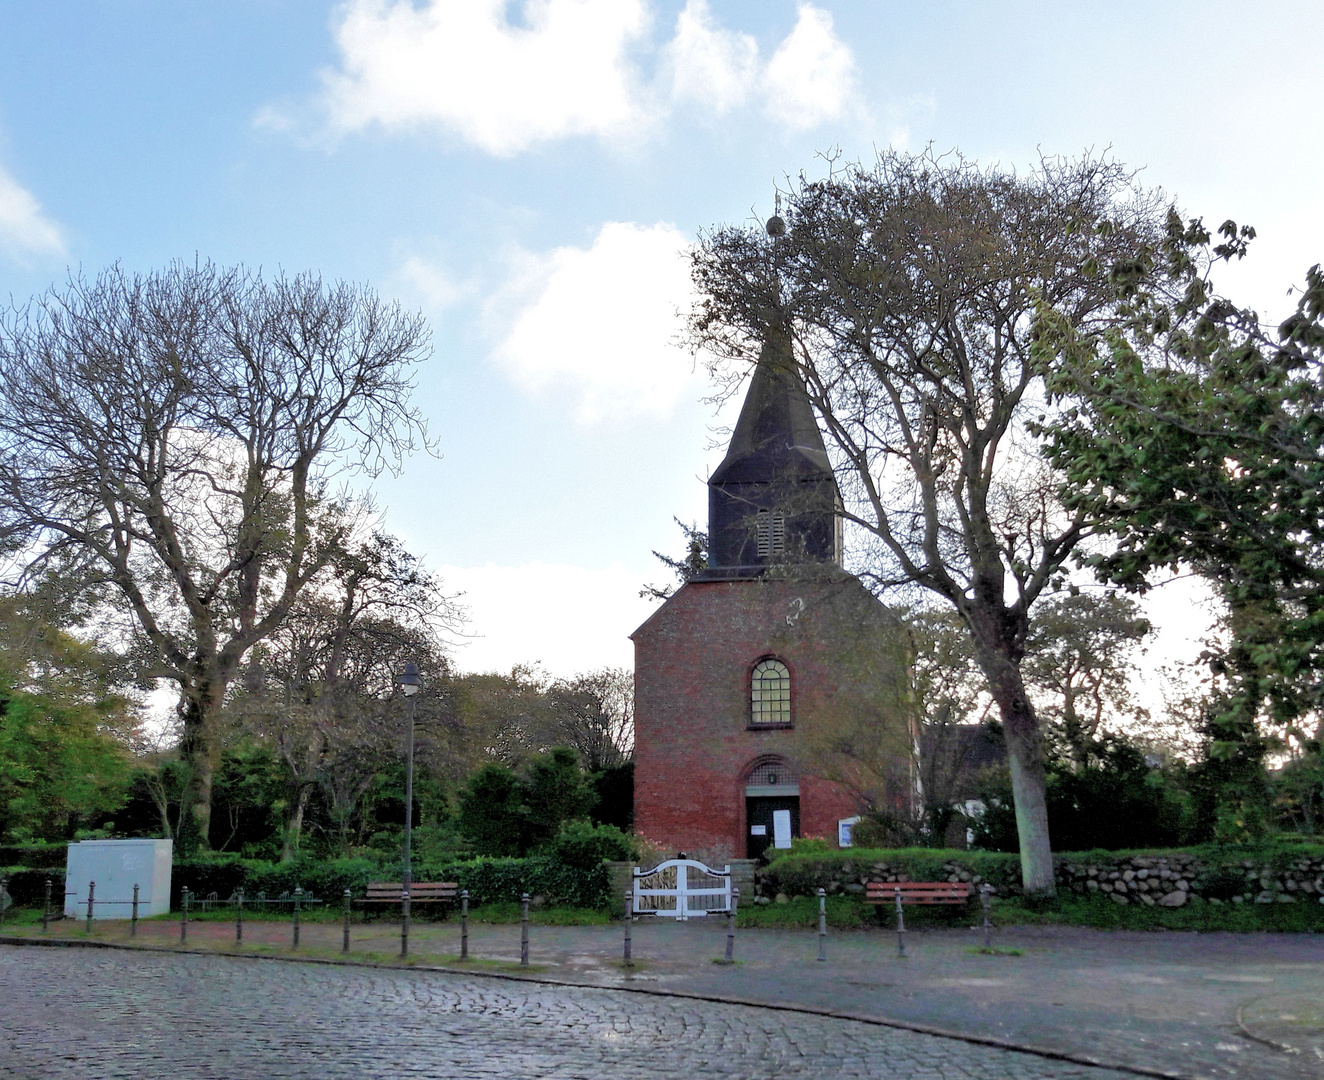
(720, 999)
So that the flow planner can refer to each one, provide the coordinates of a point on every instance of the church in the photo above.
(772, 694)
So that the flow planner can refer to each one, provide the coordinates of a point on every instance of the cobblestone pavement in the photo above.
(93, 1014)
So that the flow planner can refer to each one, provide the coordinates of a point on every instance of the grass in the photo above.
(1100, 913)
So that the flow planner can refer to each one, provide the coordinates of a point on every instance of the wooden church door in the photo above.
(759, 825)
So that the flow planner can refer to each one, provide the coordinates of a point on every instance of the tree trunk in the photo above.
(200, 750)
(294, 827)
(1025, 758)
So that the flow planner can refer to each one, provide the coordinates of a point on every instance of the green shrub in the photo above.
(586, 846)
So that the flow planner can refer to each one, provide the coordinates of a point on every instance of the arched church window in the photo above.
(770, 693)
(772, 532)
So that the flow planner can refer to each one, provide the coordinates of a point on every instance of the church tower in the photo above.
(751, 676)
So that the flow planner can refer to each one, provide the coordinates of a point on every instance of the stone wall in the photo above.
(1169, 879)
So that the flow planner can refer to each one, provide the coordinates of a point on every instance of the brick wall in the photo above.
(693, 740)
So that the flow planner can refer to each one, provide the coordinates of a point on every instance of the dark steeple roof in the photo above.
(773, 500)
(776, 434)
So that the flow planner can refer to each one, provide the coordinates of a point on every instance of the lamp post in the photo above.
(410, 682)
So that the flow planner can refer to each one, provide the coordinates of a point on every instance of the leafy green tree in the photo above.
(63, 724)
(1198, 442)
(555, 791)
(492, 811)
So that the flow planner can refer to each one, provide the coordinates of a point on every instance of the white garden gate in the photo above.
(682, 889)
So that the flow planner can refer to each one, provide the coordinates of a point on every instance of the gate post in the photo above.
(682, 887)
(91, 888)
(731, 927)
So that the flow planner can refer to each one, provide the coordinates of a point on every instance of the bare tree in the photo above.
(595, 716)
(321, 687)
(904, 294)
(177, 431)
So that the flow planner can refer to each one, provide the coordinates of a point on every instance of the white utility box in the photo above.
(116, 866)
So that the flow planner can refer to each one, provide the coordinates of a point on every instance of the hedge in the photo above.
(39, 856)
(488, 880)
(28, 887)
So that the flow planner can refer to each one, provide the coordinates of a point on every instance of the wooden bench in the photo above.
(420, 892)
(918, 892)
(913, 892)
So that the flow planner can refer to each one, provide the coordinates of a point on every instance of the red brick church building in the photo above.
(771, 690)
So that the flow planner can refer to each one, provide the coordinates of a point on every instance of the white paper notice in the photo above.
(781, 828)
(758, 830)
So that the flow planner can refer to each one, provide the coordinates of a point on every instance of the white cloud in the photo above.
(503, 87)
(603, 319)
(567, 618)
(708, 65)
(434, 285)
(24, 229)
(810, 78)
(563, 68)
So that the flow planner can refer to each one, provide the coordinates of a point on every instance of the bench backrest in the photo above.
(418, 890)
(919, 892)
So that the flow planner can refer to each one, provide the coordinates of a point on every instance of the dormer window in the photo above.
(770, 694)
(772, 532)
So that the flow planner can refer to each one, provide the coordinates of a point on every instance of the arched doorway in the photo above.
(772, 804)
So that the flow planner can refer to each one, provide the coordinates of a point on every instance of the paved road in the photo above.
(92, 1014)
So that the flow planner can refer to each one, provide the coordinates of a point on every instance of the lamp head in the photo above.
(410, 681)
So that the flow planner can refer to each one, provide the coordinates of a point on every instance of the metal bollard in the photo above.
(133, 919)
(822, 924)
(183, 915)
(731, 928)
(344, 945)
(464, 924)
(900, 927)
(984, 891)
(298, 895)
(91, 889)
(629, 915)
(404, 922)
(524, 930)
(46, 909)
(239, 918)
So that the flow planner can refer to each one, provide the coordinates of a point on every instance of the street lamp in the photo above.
(410, 683)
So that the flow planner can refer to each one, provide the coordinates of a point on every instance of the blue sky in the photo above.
(528, 174)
